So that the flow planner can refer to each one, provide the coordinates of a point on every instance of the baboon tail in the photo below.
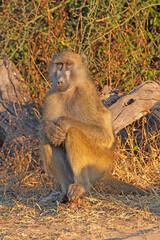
(126, 188)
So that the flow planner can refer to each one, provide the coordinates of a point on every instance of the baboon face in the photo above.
(63, 71)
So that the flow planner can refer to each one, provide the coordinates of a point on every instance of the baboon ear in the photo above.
(54, 56)
(84, 59)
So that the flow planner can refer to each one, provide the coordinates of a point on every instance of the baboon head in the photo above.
(66, 68)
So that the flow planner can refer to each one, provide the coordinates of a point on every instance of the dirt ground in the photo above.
(32, 213)
(30, 205)
(60, 230)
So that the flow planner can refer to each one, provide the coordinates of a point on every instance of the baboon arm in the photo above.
(95, 132)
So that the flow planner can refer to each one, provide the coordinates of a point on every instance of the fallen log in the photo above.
(135, 104)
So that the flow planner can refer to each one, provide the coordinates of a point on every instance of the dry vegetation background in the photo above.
(121, 40)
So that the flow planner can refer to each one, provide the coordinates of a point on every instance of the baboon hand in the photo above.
(64, 123)
(54, 133)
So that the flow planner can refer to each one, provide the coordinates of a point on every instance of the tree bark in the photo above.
(17, 116)
(135, 104)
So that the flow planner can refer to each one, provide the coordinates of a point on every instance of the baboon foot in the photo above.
(75, 191)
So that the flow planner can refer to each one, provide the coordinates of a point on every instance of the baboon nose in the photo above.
(59, 83)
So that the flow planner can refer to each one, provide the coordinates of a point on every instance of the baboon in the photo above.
(76, 130)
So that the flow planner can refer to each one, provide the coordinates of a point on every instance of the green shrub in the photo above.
(120, 38)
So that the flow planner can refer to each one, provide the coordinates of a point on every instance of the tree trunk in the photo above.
(135, 104)
(18, 120)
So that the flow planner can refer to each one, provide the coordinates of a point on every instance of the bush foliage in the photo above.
(120, 38)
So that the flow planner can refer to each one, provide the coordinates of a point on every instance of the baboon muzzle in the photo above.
(62, 84)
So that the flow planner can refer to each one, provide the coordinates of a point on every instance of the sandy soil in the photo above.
(57, 230)
(92, 219)
(32, 210)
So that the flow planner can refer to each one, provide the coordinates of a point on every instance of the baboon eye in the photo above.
(59, 65)
(68, 64)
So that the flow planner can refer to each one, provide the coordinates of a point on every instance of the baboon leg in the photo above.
(88, 162)
(46, 155)
(57, 164)
(64, 169)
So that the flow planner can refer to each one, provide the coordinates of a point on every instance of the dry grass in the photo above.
(29, 211)
(121, 42)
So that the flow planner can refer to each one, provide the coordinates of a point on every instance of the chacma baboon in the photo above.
(76, 131)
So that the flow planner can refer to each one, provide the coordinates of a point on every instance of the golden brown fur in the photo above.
(76, 131)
